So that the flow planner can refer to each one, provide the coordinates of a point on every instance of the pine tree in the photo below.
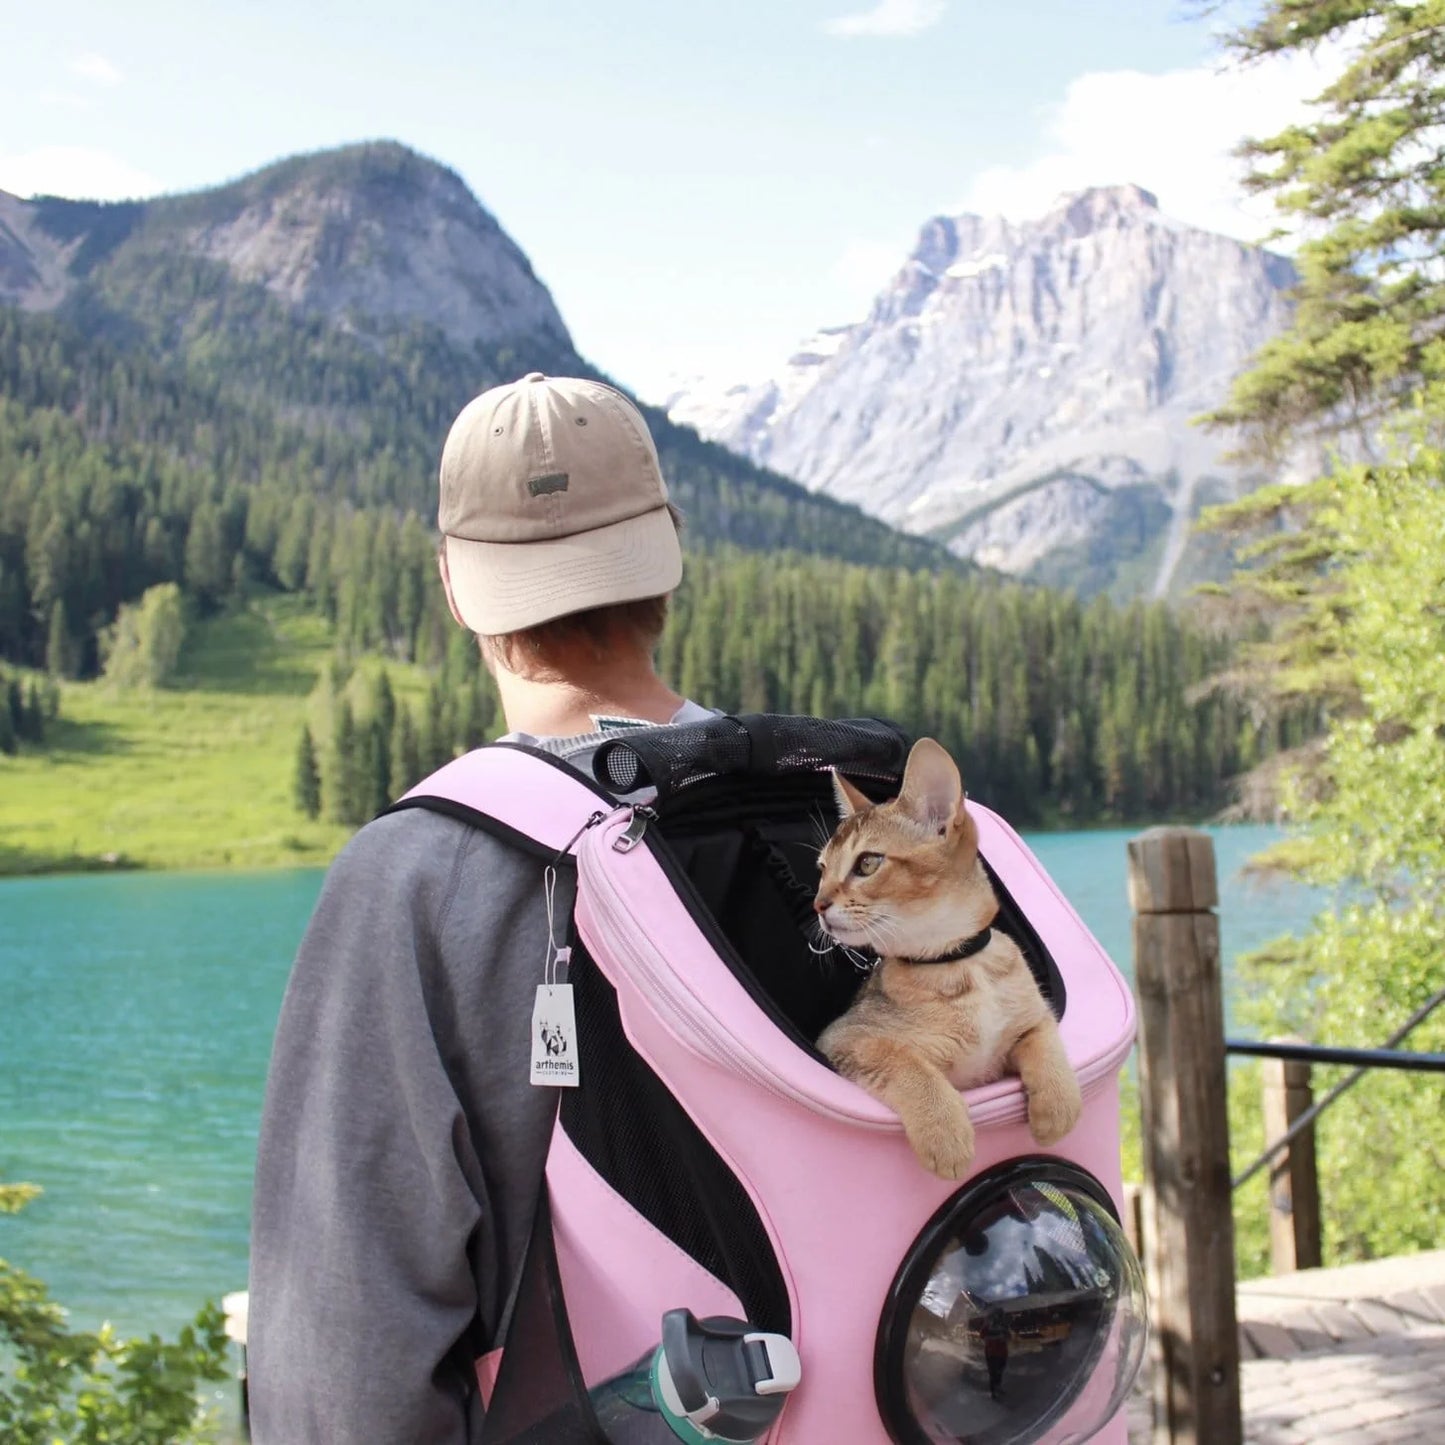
(1362, 181)
(289, 559)
(343, 795)
(306, 781)
(207, 561)
(383, 704)
(375, 770)
(405, 770)
(32, 727)
(60, 650)
(15, 706)
(9, 740)
(435, 734)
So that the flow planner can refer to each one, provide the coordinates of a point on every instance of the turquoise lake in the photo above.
(136, 1013)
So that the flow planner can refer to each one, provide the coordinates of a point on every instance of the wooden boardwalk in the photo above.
(1347, 1356)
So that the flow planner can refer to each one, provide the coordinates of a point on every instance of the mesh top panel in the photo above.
(672, 758)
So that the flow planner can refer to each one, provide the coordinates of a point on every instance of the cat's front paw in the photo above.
(1055, 1109)
(942, 1138)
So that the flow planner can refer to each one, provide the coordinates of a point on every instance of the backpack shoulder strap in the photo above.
(525, 796)
(534, 801)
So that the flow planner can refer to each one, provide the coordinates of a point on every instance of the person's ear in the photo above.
(447, 583)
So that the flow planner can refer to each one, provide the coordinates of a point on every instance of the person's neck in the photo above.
(553, 707)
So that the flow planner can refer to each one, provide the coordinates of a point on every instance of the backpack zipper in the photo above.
(695, 1024)
(627, 840)
(684, 1016)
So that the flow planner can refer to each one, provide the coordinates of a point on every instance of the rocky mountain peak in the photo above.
(371, 231)
(944, 240)
(1101, 206)
(1019, 387)
(366, 235)
(938, 242)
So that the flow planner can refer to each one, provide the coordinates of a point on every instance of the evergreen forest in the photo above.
(1058, 711)
(171, 426)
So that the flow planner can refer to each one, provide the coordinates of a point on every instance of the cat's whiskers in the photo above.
(860, 961)
(882, 933)
(824, 937)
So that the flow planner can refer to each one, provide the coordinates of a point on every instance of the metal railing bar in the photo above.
(1329, 1054)
(1348, 1082)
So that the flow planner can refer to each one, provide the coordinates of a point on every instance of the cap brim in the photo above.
(503, 586)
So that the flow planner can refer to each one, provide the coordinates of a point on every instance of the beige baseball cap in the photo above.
(552, 501)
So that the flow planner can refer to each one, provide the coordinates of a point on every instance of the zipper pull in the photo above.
(628, 840)
(566, 848)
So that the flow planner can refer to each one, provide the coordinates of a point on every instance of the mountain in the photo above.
(1025, 392)
(345, 305)
(244, 391)
(362, 237)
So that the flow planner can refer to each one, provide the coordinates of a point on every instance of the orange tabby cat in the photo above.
(951, 1004)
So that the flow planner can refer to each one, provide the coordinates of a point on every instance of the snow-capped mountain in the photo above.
(1026, 390)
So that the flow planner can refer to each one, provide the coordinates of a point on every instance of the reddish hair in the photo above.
(601, 631)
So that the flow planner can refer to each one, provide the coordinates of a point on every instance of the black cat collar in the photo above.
(970, 946)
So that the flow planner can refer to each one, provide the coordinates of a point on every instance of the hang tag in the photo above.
(554, 1024)
(554, 1036)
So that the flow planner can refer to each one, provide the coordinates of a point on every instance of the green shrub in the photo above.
(65, 1387)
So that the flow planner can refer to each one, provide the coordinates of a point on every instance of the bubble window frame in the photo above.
(943, 1235)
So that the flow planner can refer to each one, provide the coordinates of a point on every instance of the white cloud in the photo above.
(889, 17)
(1173, 134)
(97, 68)
(78, 171)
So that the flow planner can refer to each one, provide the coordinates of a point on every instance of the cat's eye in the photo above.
(867, 864)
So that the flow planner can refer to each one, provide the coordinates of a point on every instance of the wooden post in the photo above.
(1133, 1220)
(1188, 1217)
(1294, 1186)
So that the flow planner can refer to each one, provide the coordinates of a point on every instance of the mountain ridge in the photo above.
(320, 231)
(180, 338)
(1052, 362)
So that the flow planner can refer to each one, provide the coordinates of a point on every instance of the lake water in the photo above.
(136, 1013)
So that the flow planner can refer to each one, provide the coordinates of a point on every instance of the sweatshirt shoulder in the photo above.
(414, 853)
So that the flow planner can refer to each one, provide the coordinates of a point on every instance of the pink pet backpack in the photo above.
(710, 1158)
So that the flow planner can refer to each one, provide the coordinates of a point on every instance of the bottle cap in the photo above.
(721, 1379)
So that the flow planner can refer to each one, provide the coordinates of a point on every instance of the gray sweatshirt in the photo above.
(402, 1143)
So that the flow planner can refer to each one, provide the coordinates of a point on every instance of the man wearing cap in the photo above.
(401, 1142)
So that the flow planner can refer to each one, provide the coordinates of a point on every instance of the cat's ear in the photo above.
(850, 800)
(932, 792)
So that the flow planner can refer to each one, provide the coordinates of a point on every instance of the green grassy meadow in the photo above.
(194, 775)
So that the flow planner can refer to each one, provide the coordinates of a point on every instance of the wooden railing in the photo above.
(1185, 1222)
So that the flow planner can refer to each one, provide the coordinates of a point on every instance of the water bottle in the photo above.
(714, 1379)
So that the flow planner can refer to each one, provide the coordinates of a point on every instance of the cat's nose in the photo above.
(822, 904)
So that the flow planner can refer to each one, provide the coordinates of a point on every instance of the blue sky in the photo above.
(700, 185)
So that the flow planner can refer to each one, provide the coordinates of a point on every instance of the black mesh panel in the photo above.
(762, 744)
(632, 1131)
(753, 899)
(742, 853)
(540, 1398)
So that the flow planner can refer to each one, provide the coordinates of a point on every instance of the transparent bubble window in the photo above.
(1018, 1317)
